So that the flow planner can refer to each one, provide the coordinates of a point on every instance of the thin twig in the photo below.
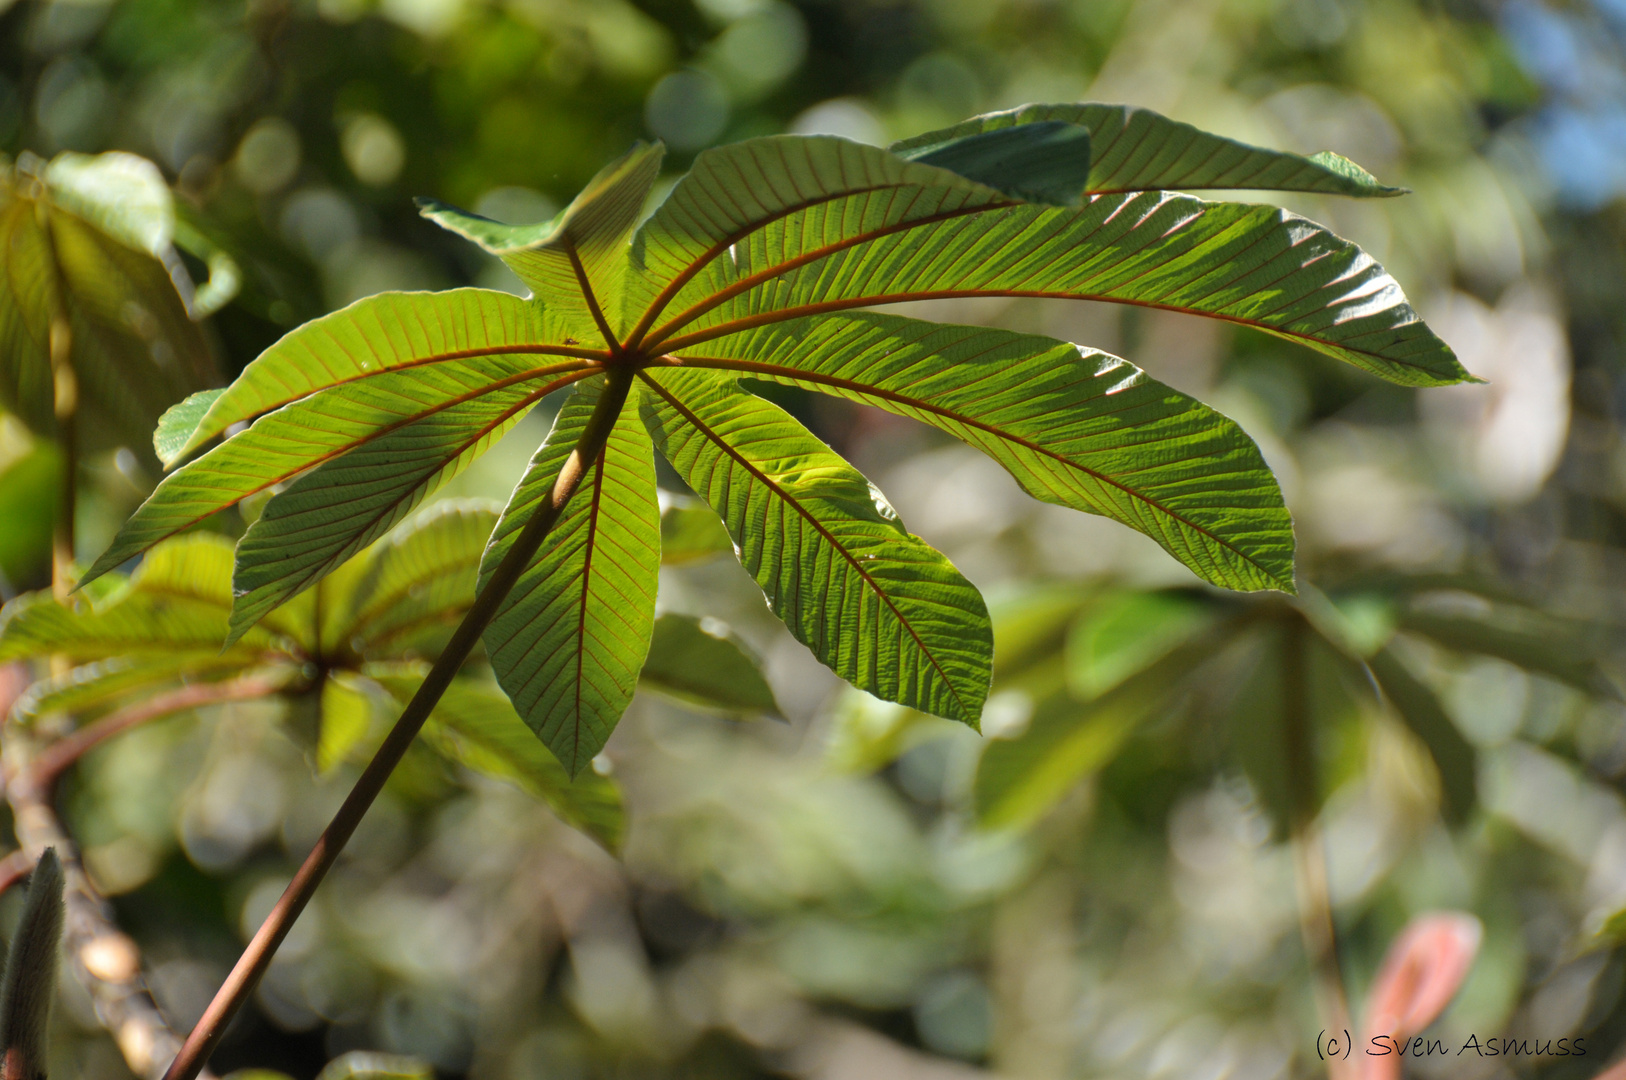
(257, 956)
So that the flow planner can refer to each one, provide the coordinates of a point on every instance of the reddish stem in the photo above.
(60, 755)
(257, 956)
(13, 868)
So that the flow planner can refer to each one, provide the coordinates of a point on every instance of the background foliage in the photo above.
(847, 894)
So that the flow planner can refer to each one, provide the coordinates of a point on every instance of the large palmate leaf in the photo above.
(567, 643)
(1133, 149)
(786, 227)
(87, 244)
(1075, 427)
(750, 269)
(877, 605)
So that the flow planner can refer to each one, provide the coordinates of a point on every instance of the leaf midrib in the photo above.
(767, 318)
(590, 548)
(799, 375)
(723, 444)
(751, 281)
(595, 356)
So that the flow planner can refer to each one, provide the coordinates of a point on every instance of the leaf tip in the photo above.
(241, 622)
(101, 566)
(1365, 184)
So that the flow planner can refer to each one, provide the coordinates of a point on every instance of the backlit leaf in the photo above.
(88, 239)
(382, 333)
(784, 227)
(1075, 427)
(586, 245)
(447, 414)
(329, 514)
(569, 640)
(877, 605)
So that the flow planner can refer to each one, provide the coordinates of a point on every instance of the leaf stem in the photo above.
(257, 956)
(56, 758)
(65, 406)
(586, 284)
(1316, 925)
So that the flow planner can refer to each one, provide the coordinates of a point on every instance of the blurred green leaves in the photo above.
(704, 669)
(1189, 662)
(100, 314)
(342, 652)
(487, 97)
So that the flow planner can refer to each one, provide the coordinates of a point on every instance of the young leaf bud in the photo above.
(30, 978)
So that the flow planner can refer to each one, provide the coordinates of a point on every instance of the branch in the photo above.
(257, 956)
(105, 961)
